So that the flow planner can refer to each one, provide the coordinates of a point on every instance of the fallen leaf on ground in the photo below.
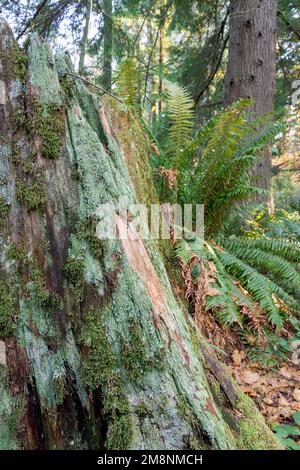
(296, 394)
(250, 378)
(237, 357)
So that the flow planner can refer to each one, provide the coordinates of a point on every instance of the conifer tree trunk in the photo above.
(95, 351)
(107, 48)
(251, 64)
(89, 9)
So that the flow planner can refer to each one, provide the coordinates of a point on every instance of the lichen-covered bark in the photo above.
(95, 351)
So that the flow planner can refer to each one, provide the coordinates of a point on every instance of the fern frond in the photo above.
(262, 289)
(180, 108)
(289, 250)
(128, 83)
(216, 165)
(266, 262)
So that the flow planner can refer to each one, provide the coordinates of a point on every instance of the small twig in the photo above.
(139, 31)
(216, 60)
(210, 105)
(103, 90)
(213, 73)
(28, 23)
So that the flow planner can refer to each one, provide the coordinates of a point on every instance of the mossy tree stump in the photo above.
(95, 351)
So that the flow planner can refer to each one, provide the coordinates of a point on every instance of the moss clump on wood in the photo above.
(32, 195)
(30, 183)
(142, 410)
(48, 121)
(134, 354)
(74, 272)
(20, 120)
(4, 210)
(7, 308)
(60, 389)
(87, 230)
(100, 371)
(42, 296)
(67, 84)
(15, 62)
(27, 166)
(254, 434)
(19, 58)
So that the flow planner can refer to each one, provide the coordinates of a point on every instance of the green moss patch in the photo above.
(42, 296)
(32, 194)
(254, 433)
(134, 356)
(196, 439)
(86, 230)
(7, 308)
(100, 371)
(4, 210)
(48, 121)
(74, 272)
(15, 62)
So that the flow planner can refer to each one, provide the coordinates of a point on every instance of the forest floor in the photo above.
(275, 390)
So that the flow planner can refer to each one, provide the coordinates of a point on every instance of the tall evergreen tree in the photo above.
(251, 64)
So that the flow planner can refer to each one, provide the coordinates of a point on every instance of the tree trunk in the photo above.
(95, 350)
(251, 64)
(107, 47)
(161, 63)
(89, 9)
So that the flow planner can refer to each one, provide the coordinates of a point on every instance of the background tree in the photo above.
(107, 43)
(251, 64)
(89, 9)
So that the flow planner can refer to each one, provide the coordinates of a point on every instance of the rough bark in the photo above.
(95, 350)
(251, 64)
(107, 43)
